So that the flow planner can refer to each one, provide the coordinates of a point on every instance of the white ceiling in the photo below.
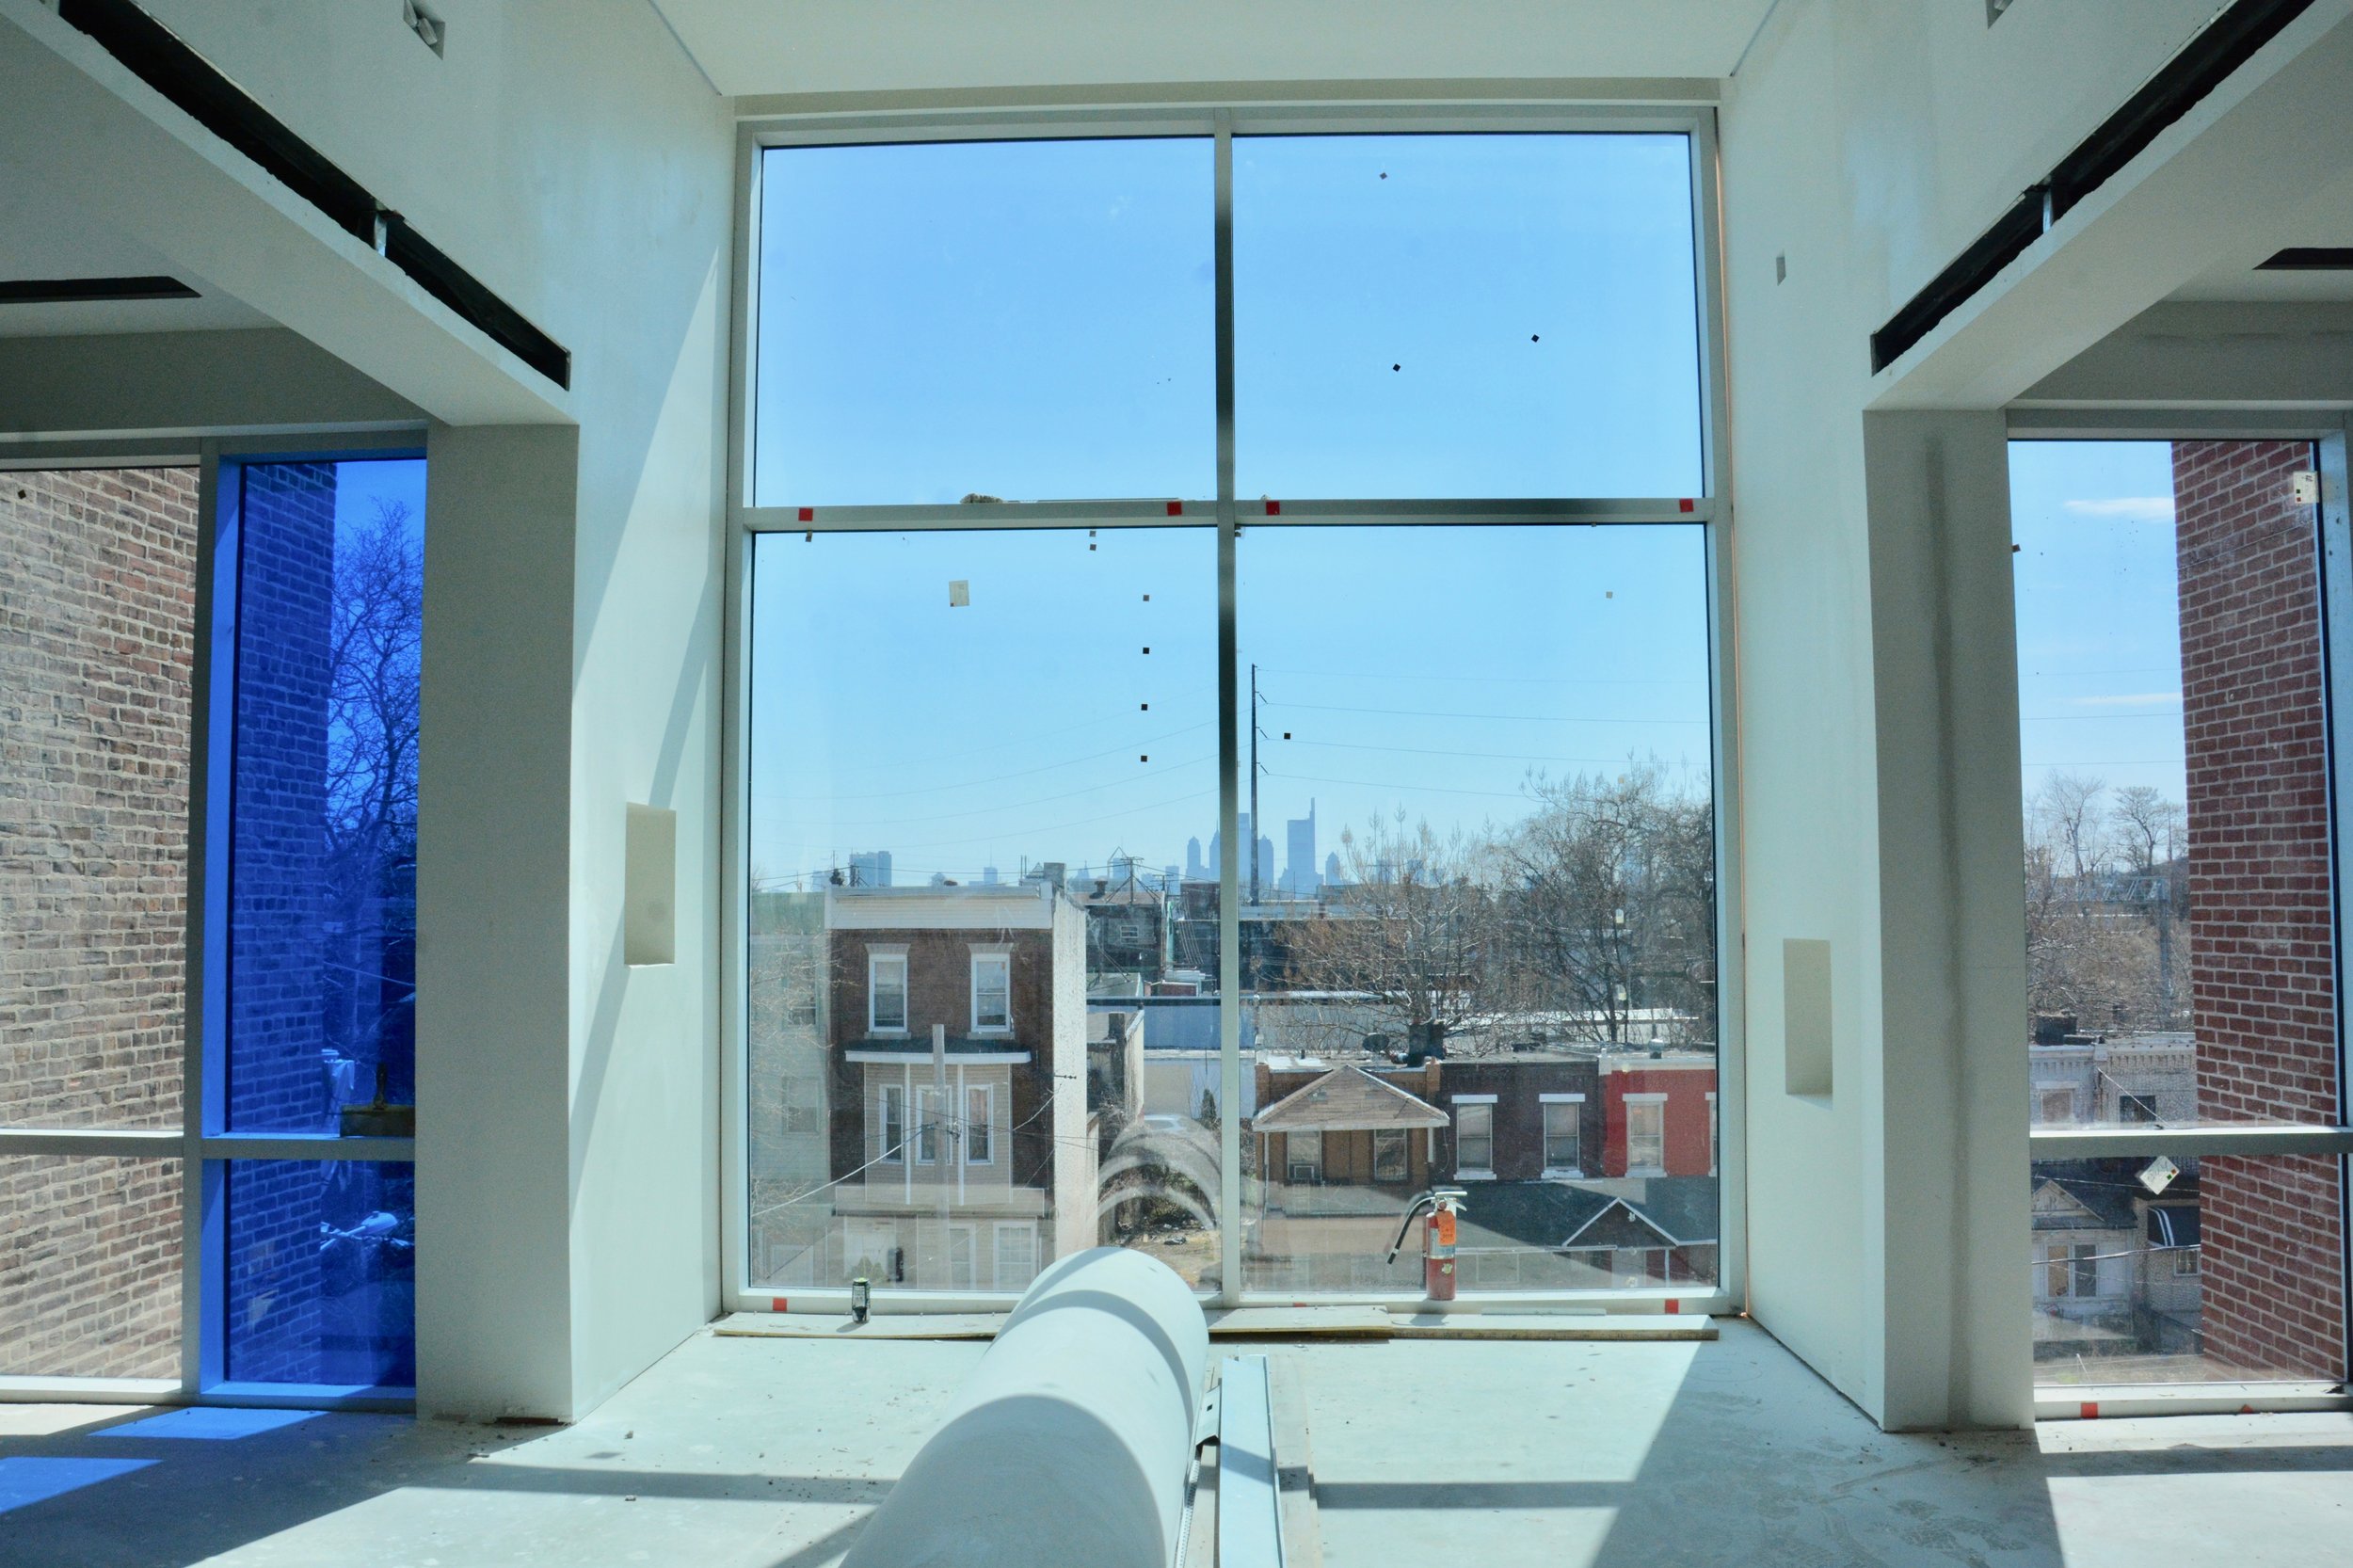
(752, 47)
(2326, 220)
(46, 232)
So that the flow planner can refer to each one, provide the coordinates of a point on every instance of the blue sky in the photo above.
(1430, 668)
(2099, 623)
(359, 483)
(1417, 317)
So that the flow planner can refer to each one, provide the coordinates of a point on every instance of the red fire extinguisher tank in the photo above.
(1437, 1240)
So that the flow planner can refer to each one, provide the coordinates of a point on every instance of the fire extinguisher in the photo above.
(1437, 1240)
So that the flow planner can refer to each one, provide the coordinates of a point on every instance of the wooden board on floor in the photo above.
(1635, 1326)
(823, 1325)
(1252, 1323)
(1298, 1322)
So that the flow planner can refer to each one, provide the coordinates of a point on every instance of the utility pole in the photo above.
(1251, 848)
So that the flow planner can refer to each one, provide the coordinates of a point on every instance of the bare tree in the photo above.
(1611, 906)
(1409, 935)
(2104, 887)
(375, 661)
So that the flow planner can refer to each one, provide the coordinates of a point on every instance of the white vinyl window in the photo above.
(979, 1123)
(1388, 1156)
(964, 1243)
(1645, 1134)
(1563, 1135)
(1475, 1137)
(1303, 1156)
(927, 1124)
(891, 1122)
(1016, 1253)
(886, 993)
(992, 993)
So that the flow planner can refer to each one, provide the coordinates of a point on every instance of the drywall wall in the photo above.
(573, 159)
(493, 973)
(1863, 146)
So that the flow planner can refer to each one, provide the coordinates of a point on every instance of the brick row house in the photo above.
(962, 1140)
(1583, 1170)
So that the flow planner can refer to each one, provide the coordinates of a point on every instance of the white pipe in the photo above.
(1069, 1447)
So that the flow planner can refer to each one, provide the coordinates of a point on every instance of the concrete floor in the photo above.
(766, 1454)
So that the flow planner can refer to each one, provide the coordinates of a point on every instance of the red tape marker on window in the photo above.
(1175, 508)
(1684, 506)
(808, 514)
(776, 1303)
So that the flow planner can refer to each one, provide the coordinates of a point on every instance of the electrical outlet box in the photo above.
(2307, 488)
(650, 873)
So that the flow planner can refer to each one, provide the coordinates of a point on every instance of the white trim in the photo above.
(1544, 1136)
(998, 1231)
(993, 953)
(1471, 1099)
(969, 1059)
(887, 1152)
(988, 1122)
(875, 958)
(1645, 1098)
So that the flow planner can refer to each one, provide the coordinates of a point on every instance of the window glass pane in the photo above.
(1027, 763)
(322, 1272)
(1025, 320)
(89, 1268)
(1465, 315)
(329, 585)
(1561, 1135)
(97, 574)
(1495, 882)
(2187, 1269)
(2180, 942)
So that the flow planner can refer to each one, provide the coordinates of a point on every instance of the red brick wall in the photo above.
(2262, 985)
(97, 582)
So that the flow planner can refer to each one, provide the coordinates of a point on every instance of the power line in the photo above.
(1019, 805)
(1449, 713)
(1496, 680)
(999, 779)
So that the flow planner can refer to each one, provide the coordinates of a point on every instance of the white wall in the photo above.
(570, 156)
(1868, 144)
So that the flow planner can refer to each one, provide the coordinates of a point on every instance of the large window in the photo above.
(280, 1114)
(1231, 738)
(2176, 730)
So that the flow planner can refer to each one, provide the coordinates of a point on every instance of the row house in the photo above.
(961, 1144)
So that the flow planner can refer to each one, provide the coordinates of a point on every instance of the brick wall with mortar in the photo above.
(97, 585)
(286, 587)
(2262, 957)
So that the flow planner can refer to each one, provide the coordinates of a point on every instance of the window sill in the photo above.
(1474, 1176)
(1563, 1173)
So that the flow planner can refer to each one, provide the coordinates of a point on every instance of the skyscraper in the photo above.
(1194, 869)
(872, 869)
(1300, 878)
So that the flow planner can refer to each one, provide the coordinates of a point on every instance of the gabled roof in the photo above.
(2099, 1192)
(1348, 1100)
(1554, 1214)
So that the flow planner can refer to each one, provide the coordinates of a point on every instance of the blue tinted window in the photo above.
(323, 852)
(322, 1272)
